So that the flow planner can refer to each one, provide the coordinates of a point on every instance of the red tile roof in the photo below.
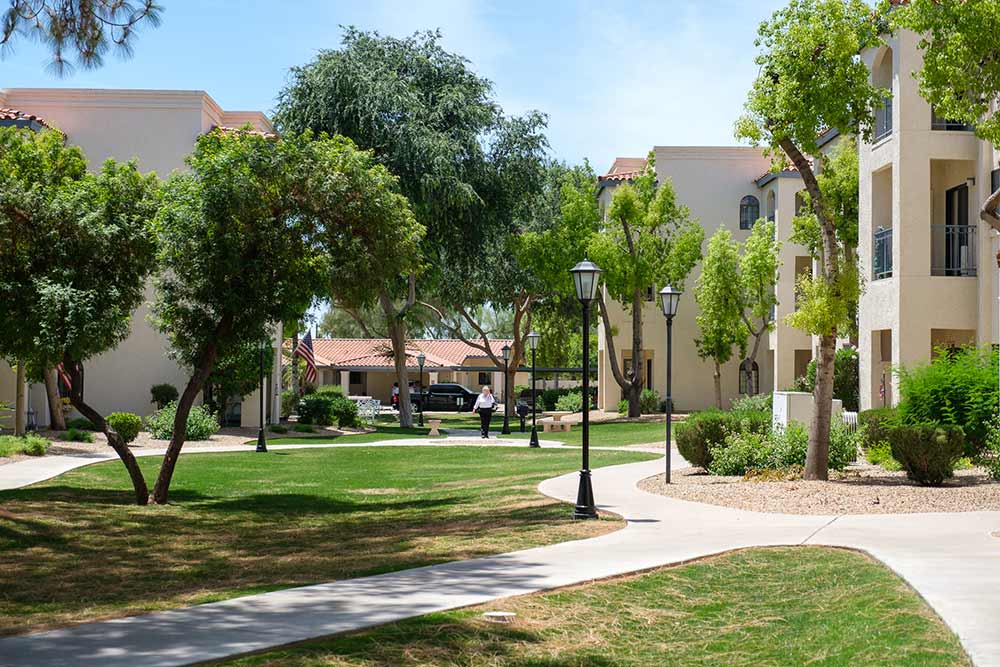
(251, 130)
(377, 352)
(8, 114)
(624, 169)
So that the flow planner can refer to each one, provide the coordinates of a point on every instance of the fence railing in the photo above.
(883, 120)
(882, 254)
(954, 250)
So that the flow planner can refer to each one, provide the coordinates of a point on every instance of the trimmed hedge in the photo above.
(201, 424)
(163, 394)
(125, 424)
(875, 425)
(927, 452)
(326, 408)
(700, 432)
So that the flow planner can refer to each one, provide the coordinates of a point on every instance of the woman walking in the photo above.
(485, 403)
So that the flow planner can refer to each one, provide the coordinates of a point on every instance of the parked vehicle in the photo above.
(446, 397)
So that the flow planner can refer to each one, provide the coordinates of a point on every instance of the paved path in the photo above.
(950, 559)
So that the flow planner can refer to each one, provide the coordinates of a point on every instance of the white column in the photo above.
(345, 381)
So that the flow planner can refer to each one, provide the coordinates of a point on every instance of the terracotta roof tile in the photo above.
(377, 352)
(624, 169)
(10, 116)
(251, 130)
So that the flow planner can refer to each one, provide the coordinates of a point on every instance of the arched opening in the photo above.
(749, 378)
(882, 76)
(749, 211)
(772, 205)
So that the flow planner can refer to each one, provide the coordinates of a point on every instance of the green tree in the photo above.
(84, 28)
(758, 275)
(649, 240)
(75, 253)
(812, 79)
(434, 123)
(720, 309)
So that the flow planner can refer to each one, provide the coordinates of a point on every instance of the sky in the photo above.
(615, 79)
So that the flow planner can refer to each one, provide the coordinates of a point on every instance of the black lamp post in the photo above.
(669, 299)
(421, 358)
(586, 279)
(505, 351)
(261, 440)
(533, 339)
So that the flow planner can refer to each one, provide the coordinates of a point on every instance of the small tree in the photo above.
(720, 311)
(812, 79)
(758, 275)
(649, 240)
(76, 252)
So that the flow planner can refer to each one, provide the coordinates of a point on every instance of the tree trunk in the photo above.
(635, 392)
(20, 402)
(75, 371)
(397, 338)
(57, 420)
(818, 455)
(717, 376)
(624, 383)
(295, 365)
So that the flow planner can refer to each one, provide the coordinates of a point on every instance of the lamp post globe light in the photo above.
(533, 339)
(421, 358)
(586, 280)
(505, 351)
(261, 439)
(670, 298)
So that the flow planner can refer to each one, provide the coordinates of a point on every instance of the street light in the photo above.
(533, 339)
(505, 351)
(670, 298)
(421, 358)
(261, 440)
(586, 279)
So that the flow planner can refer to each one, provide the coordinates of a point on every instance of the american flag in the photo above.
(64, 376)
(305, 350)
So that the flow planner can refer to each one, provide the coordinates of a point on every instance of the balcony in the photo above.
(883, 120)
(882, 254)
(954, 250)
(938, 123)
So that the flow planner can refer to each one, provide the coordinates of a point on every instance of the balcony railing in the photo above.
(882, 254)
(953, 250)
(938, 123)
(883, 120)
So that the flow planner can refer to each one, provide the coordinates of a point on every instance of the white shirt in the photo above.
(485, 401)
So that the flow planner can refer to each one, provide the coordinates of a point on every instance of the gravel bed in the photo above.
(861, 489)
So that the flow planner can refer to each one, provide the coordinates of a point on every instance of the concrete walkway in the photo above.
(950, 559)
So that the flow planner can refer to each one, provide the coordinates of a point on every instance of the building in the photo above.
(730, 187)
(365, 366)
(158, 129)
(928, 264)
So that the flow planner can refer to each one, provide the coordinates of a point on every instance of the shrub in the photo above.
(649, 402)
(927, 452)
(201, 424)
(126, 424)
(956, 387)
(289, 401)
(700, 432)
(990, 457)
(78, 435)
(881, 455)
(875, 424)
(570, 402)
(316, 409)
(550, 396)
(756, 403)
(739, 453)
(303, 428)
(80, 424)
(345, 411)
(789, 446)
(32, 445)
(623, 407)
(747, 451)
(330, 390)
(844, 445)
(846, 378)
(277, 428)
(162, 394)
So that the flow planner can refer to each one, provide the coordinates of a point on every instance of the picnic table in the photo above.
(553, 422)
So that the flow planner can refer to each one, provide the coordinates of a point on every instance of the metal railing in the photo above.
(883, 120)
(882, 254)
(938, 123)
(953, 250)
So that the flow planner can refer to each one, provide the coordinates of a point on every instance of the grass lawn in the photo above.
(381, 432)
(783, 606)
(74, 549)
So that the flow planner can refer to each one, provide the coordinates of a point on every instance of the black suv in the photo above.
(446, 397)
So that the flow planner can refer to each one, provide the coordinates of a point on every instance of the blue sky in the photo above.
(614, 78)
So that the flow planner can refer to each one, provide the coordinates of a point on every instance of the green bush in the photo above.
(788, 447)
(701, 431)
(846, 378)
(330, 389)
(927, 452)
(844, 445)
(881, 455)
(956, 387)
(570, 402)
(756, 403)
(289, 401)
(162, 394)
(623, 407)
(316, 409)
(345, 411)
(551, 396)
(739, 453)
(277, 428)
(990, 457)
(126, 424)
(32, 445)
(78, 435)
(201, 424)
(303, 428)
(875, 425)
(649, 402)
(744, 450)
(80, 424)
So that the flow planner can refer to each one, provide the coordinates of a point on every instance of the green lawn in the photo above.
(381, 432)
(74, 549)
(761, 607)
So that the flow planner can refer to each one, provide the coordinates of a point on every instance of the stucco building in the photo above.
(158, 129)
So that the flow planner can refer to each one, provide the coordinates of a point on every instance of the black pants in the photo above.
(485, 414)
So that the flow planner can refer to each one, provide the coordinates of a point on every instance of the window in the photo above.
(749, 377)
(355, 377)
(484, 378)
(650, 293)
(749, 211)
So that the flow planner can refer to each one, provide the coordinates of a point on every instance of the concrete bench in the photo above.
(434, 424)
(555, 426)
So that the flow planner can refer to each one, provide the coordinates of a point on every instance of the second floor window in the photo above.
(749, 211)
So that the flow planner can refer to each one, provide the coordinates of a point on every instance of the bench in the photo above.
(434, 424)
(553, 422)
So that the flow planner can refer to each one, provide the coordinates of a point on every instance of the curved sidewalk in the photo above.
(951, 559)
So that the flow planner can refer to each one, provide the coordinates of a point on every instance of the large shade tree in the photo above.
(434, 123)
(648, 240)
(812, 79)
(75, 253)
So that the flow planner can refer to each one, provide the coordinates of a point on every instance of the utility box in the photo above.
(797, 406)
